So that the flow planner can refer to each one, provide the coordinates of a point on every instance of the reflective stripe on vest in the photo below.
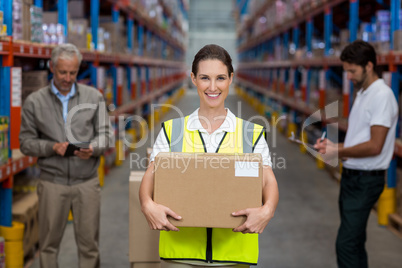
(222, 245)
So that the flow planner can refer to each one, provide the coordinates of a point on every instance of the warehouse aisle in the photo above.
(302, 234)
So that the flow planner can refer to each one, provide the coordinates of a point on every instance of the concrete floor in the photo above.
(302, 234)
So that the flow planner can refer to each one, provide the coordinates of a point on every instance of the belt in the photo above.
(358, 172)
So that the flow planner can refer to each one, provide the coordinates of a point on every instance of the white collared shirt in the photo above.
(375, 106)
(211, 140)
(64, 99)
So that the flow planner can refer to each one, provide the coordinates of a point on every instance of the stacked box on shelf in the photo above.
(76, 9)
(25, 211)
(77, 32)
(382, 30)
(17, 20)
(116, 32)
(4, 124)
(53, 32)
(32, 81)
(36, 14)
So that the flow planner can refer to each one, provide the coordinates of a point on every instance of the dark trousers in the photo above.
(357, 196)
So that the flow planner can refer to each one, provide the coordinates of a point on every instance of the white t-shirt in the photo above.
(375, 106)
(211, 140)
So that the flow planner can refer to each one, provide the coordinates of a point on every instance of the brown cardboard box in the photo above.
(76, 9)
(33, 81)
(206, 188)
(397, 40)
(143, 242)
(145, 265)
(25, 210)
(26, 22)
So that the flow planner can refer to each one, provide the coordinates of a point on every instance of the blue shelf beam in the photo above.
(140, 40)
(38, 3)
(395, 9)
(353, 19)
(114, 77)
(296, 36)
(309, 34)
(130, 37)
(62, 6)
(115, 14)
(286, 44)
(95, 22)
(327, 30)
(7, 7)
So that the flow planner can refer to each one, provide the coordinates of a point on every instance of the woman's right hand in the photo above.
(157, 216)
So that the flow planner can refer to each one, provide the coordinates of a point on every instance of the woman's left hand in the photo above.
(257, 219)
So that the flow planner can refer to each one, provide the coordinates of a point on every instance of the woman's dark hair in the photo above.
(359, 53)
(212, 52)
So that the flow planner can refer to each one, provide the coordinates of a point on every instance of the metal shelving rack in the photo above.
(263, 79)
(147, 77)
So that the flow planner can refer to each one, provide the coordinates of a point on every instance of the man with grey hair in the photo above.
(67, 127)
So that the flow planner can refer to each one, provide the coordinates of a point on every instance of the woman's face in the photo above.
(212, 82)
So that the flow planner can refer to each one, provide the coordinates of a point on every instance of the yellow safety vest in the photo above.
(210, 244)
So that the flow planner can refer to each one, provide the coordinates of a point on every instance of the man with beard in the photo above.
(61, 113)
(366, 151)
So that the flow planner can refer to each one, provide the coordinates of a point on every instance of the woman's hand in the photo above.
(257, 219)
(156, 216)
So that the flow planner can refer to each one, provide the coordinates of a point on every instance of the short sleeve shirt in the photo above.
(375, 106)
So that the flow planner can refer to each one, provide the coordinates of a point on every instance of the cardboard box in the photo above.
(143, 242)
(76, 9)
(205, 188)
(145, 265)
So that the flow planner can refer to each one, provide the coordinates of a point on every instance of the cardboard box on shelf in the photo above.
(26, 21)
(76, 9)
(398, 40)
(143, 242)
(32, 81)
(50, 17)
(206, 188)
(77, 32)
(25, 210)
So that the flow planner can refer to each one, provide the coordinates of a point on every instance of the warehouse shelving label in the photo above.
(21, 164)
(16, 85)
(39, 51)
(30, 160)
(31, 50)
(1, 46)
(21, 49)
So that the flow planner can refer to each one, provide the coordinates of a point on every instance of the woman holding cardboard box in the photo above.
(211, 128)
